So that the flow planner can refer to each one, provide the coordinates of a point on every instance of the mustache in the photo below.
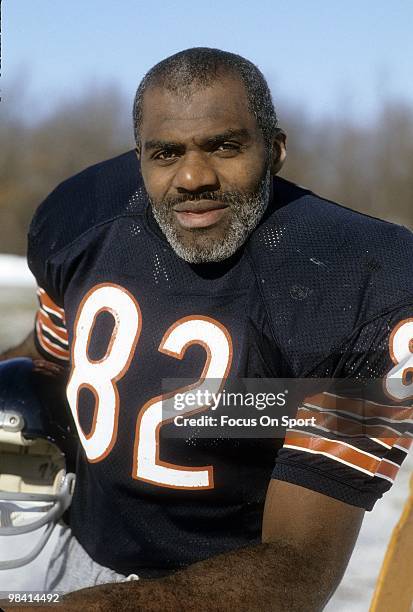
(228, 197)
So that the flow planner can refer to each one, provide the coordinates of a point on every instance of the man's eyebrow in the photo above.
(161, 144)
(228, 135)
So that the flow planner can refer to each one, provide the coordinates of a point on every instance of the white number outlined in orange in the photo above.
(396, 383)
(216, 341)
(100, 376)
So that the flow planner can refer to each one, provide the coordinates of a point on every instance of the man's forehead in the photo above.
(218, 107)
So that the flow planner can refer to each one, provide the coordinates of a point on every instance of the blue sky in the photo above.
(329, 57)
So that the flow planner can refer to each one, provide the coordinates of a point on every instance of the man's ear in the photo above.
(138, 150)
(279, 151)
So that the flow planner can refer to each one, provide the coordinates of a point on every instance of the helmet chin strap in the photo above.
(61, 501)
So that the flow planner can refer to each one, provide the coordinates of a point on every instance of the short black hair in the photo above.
(201, 66)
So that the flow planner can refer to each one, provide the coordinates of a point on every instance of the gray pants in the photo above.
(71, 568)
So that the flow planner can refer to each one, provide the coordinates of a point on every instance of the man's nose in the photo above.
(195, 173)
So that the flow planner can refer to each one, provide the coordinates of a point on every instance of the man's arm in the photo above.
(307, 542)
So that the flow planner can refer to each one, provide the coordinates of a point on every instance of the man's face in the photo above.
(205, 167)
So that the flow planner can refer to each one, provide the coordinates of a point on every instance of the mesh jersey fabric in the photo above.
(311, 280)
(360, 435)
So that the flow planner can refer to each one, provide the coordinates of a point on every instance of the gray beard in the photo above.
(247, 210)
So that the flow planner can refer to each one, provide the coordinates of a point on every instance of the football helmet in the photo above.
(36, 445)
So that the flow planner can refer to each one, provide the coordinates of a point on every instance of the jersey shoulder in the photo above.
(95, 196)
(312, 224)
(326, 270)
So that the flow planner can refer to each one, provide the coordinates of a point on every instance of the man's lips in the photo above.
(202, 213)
(199, 206)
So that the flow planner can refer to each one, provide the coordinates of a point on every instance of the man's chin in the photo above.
(195, 254)
(202, 246)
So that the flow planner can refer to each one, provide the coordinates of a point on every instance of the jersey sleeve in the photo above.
(50, 334)
(65, 229)
(358, 430)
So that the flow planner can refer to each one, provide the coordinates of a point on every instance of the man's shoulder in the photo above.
(305, 225)
(316, 217)
(88, 199)
(325, 270)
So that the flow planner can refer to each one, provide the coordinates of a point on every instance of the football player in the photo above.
(189, 258)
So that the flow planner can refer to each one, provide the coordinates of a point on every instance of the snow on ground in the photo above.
(17, 300)
(17, 307)
(14, 272)
(356, 590)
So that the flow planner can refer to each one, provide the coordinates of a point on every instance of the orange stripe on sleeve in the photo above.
(341, 426)
(404, 443)
(387, 470)
(49, 305)
(49, 346)
(335, 449)
(53, 329)
(358, 407)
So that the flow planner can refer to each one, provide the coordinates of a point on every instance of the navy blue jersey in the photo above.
(318, 291)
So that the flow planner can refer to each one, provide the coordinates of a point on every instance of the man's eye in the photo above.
(165, 155)
(228, 146)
